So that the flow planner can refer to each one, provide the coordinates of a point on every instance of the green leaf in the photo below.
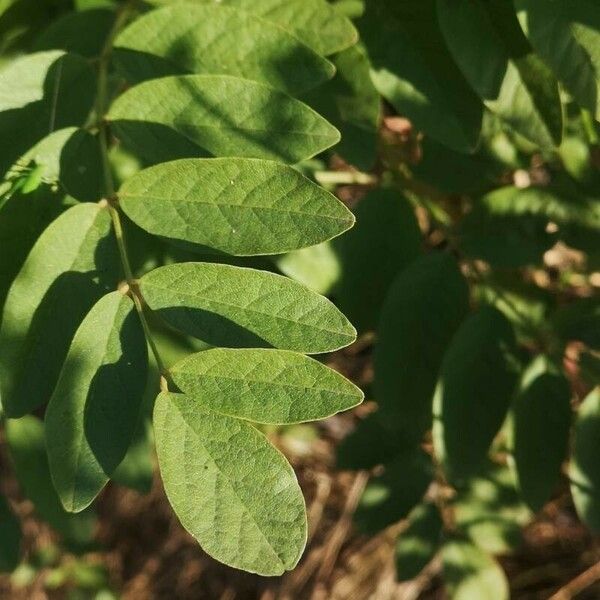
(233, 491)
(566, 36)
(10, 538)
(391, 496)
(72, 264)
(39, 93)
(540, 431)
(423, 309)
(83, 32)
(414, 71)
(489, 511)
(234, 205)
(419, 542)
(315, 22)
(384, 240)
(136, 470)
(218, 40)
(196, 115)
(94, 410)
(473, 393)
(470, 573)
(516, 86)
(584, 470)
(27, 445)
(264, 385)
(236, 307)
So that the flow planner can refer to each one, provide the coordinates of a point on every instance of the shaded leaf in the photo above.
(94, 410)
(470, 573)
(255, 523)
(27, 445)
(414, 71)
(10, 538)
(218, 40)
(136, 470)
(234, 205)
(264, 385)
(196, 115)
(419, 542)
(584, 470)
(234, 306)
(514, 85)
(540, 431)
(423, 309)
(72, 264)
(473, 393)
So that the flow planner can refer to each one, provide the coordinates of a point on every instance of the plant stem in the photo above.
(109, 184)
(589, 126)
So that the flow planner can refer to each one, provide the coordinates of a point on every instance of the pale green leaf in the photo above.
(195, 115)
(27, 445)
(514, 85)
(264, 385)
(72, 264)
(218, 40)
(233, 491)
(473, 393)
(234, 205)
(236, 307)
(424, 307)
(584, 470)
(471, 574)
(541, 421)
(10, 538)
(94, 410)
(413, 70)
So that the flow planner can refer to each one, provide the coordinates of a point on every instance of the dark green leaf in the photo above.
(73, 263)
(474, 390)
(234, 306)
(196, 115)
(579, 320)
(27, 445)
(419, 542)
(384, 240)
(234, 205)
(584, 471)
(541, 425)
(519, 89)
(264, 385)
(255, 523)
(218, 40)
(10, 538)
(414, 71)
(423, 309)
(94, 410)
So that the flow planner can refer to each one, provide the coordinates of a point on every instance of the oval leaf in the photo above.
(94, 411)
(473, 393)
(423, 309)
(73, 263)
(234, 205)
(236, 307)
(540, 431)
(584, 471)
(256, 523)
(264, 386)
(220, 115)
(218, 40)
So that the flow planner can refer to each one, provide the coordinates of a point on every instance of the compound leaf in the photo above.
(72, 264)
(423, 309)
(236, 307)
(234, 205)
(584, 470)
(264, 385)
(94, 411)
(221, 115)
(473, 393)
(215, 39)
(231, 489)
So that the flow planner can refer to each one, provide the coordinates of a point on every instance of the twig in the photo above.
(580, 583)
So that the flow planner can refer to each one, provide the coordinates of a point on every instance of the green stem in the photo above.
(589, 126)
(109, 184)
